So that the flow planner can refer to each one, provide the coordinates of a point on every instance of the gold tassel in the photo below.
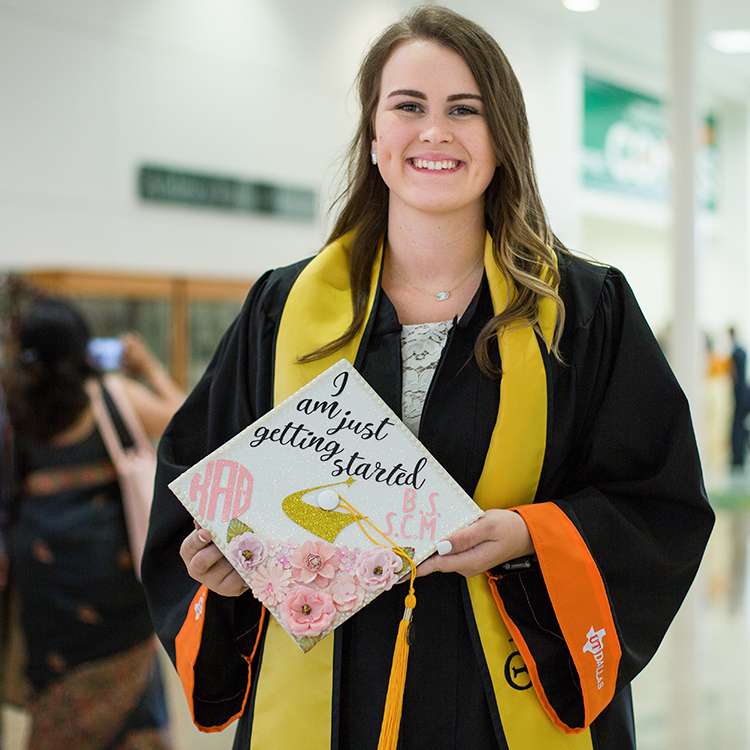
(394, 701)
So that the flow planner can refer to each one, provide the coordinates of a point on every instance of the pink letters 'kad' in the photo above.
(235, 490)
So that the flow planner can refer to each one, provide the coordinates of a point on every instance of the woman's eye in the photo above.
(409, 107)
(464, 109)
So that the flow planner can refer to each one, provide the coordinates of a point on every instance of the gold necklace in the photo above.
(445, 293)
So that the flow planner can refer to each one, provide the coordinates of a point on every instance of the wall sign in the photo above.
(626, 148)
(165, 185)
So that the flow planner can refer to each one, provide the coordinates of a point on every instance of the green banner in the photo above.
(626, 148)
(164, 185)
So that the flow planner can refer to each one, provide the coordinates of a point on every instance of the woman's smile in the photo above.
(434, 166)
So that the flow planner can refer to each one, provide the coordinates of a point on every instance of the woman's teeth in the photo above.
(424, 164)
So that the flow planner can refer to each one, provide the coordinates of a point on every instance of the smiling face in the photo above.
(433, 144)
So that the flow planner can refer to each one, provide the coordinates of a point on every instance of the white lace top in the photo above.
(421, 346)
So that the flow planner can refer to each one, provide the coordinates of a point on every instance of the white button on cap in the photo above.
(328, 500)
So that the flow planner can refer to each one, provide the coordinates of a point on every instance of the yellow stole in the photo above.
(317, 311)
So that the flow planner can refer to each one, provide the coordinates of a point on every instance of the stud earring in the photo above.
(374, 157)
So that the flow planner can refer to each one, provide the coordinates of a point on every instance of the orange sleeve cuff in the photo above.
(581, 605)
(187, 647)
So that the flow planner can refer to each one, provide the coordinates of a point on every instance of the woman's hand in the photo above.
(207, 565)
(157, 403)
(137, 359)
(498, 536)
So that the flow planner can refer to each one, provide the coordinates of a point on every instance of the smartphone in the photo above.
(106, 353)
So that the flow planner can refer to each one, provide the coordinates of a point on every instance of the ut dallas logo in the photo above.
(595, 647)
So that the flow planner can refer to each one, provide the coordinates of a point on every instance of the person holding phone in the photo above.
(91, 660)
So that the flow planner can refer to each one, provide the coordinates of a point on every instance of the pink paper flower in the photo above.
(346, 592)
(315, 562)
(307, 612)
(377, 569)
(285, 551)
(287, 547)
(348, 558)
(270, 583)
(247, 549)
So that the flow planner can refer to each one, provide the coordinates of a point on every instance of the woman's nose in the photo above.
(436, 129)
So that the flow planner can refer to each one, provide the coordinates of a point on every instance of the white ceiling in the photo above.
(638, 31)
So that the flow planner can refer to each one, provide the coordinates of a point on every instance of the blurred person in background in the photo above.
(91, 656)
(4, 490)
(718, 406)
(741, 402)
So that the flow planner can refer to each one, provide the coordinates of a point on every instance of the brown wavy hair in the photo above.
(523, 243)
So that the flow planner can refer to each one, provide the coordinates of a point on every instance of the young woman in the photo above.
(91, 651)
(529, 374)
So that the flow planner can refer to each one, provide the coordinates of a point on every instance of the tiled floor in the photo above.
(695, 694)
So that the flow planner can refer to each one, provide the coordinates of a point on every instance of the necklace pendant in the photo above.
(440, 296)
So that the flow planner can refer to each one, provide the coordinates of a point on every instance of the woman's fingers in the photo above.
(468, 563)
(498, 536)
(206, 564)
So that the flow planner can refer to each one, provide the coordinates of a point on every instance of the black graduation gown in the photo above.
(620, 462)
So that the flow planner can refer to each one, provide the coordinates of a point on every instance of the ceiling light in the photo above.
(581, 5)
(730, 42)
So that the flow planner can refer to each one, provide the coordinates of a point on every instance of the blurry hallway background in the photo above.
(157, 156)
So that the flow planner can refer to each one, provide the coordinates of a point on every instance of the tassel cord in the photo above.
(394, 701)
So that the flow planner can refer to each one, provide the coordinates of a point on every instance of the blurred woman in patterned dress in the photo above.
(91, 658)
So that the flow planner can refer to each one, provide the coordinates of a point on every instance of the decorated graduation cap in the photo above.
(324, 503)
